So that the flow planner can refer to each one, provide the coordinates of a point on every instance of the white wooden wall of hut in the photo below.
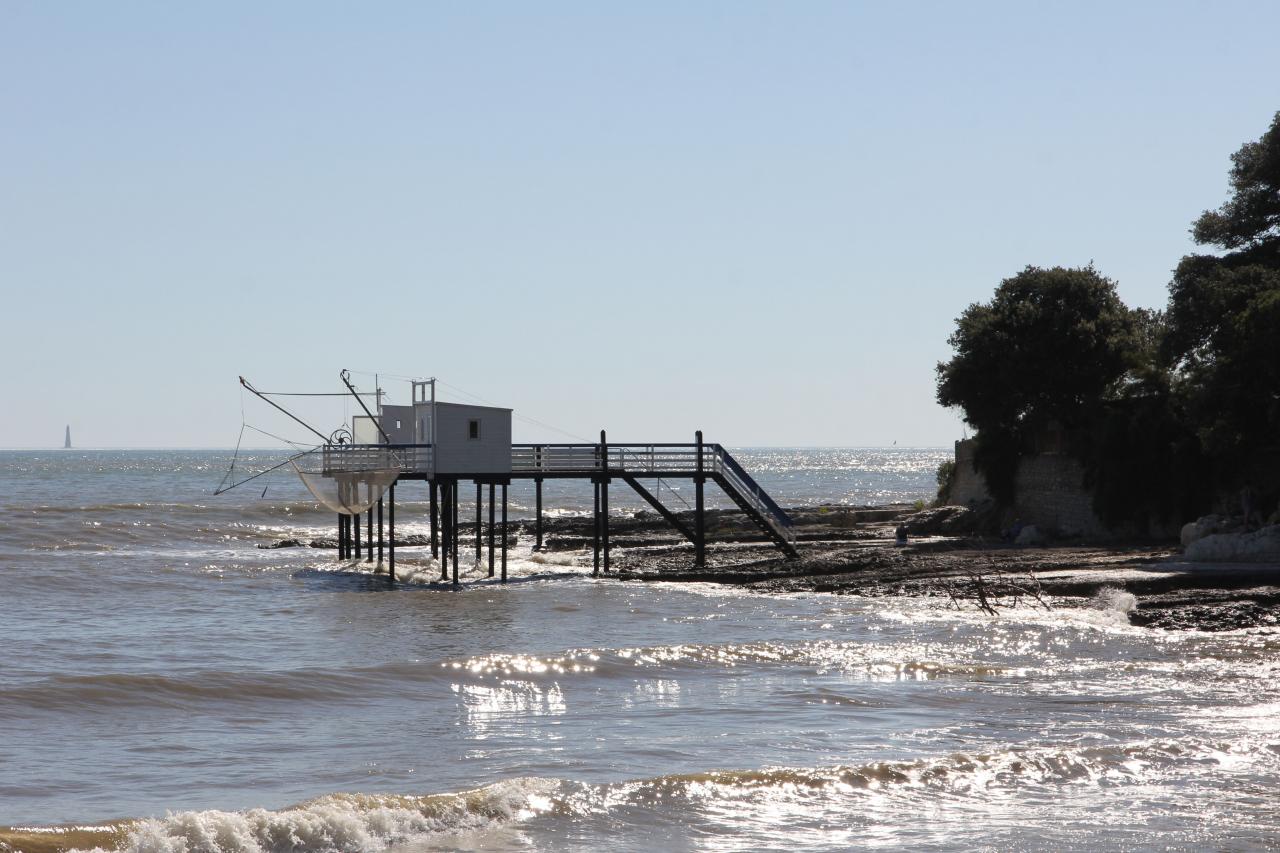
(397, 422)
(456, 451)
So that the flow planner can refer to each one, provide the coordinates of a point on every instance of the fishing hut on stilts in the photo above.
(356, 469)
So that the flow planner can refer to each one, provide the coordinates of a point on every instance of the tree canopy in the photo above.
(1223, 336)
(1049, 347)
(1160, 407)
(1250, 218)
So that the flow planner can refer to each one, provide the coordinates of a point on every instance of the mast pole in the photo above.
(245, 382)
(346, 380)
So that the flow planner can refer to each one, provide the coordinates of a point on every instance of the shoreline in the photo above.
(852, 551)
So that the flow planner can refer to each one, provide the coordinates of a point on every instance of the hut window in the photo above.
(473, 428)
(397, 425)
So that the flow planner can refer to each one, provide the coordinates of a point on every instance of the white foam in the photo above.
(343, 823)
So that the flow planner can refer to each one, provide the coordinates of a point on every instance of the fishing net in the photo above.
(347, 482)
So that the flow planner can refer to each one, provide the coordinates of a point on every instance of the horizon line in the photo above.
(622, 443)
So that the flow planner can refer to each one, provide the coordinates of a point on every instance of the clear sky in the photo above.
(760, 219)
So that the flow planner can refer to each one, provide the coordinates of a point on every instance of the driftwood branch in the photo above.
(1001, 591)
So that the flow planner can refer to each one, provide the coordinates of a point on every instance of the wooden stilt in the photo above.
(504, 509)
(504, 536)
(446, 522)
(537, 519)
(479, 503)
(604, 499)
(391, 531)
(700, 524)
(595, 527)
(341, 542)
(368, 539)
(604, 523)
(435, 522)
(355, 539)
(454, 548)
(380, 540)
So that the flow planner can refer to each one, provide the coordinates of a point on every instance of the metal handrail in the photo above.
(646, 459)
(749, 484)
(642, 459)
(624, 450)
(343, 458)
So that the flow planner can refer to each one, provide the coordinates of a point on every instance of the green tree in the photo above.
(1051, 346)
(1223, 339)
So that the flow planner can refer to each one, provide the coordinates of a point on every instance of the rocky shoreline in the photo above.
(846, 550)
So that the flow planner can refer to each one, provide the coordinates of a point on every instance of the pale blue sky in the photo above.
(760, 219)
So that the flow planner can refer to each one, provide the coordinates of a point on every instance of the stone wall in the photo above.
(1049, 487)
(1050, 494)
(968, 488)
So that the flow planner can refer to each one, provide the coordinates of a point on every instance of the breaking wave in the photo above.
(365, 823)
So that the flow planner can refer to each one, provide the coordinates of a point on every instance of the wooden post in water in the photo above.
(342, 533)
(537, 519)
(380, 531)
(604, 500)
(369, 537)
(504, 537)
(446, 521)
(391, 531)
(504, 512)
(604, 523)
(595, 526)
(435, 522)
(355, 527)
(454, 500)
(700, 524)
(479, 504)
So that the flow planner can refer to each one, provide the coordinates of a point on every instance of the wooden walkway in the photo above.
(600, 463)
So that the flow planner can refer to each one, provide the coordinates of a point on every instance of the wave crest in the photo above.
(365, 823)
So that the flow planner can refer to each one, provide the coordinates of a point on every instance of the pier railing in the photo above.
(676, 459)
(350, 458)
(585, 460)
(656, 460)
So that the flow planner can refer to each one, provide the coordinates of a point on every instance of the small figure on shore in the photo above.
(901, 534)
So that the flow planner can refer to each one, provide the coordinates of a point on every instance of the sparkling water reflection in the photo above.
(169, 667)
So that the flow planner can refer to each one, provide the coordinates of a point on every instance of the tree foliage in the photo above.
(1160, 407)
(1051, 346)
(1224, 311)
(1250, 218)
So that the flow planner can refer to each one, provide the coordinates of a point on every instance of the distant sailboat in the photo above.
(66, 445)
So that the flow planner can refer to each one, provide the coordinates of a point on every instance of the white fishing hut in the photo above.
(463, 438)
(446, 443)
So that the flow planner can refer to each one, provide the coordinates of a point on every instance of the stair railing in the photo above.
(750, 490)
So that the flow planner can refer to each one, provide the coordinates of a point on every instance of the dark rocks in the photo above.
(943, 520)
(286, 543)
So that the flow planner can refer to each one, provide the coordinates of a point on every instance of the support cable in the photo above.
(245, 383)
(221, 490)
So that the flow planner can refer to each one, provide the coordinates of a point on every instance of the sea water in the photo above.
(166, 685)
